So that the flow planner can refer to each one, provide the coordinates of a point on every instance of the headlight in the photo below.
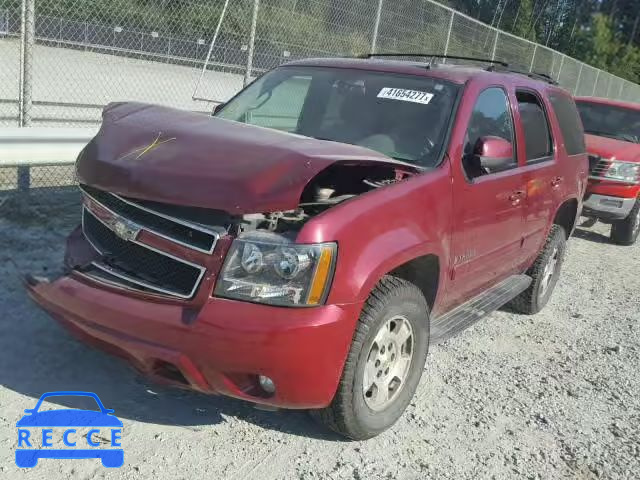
(623, 171)
(268, 268)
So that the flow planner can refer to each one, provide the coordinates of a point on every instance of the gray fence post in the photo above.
(609, 86)
(376, 26)
(533, 57)
(495, 45)
(252, 42)
(27, 41)
(578, 81)
(595, 84)
(446, 45)
(560, 69)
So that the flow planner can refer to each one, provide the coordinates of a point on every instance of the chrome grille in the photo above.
(131, 263)
(598, 166)
(594, 160)
(183, 232)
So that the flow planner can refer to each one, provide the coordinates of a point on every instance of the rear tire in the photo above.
(389, 349)
(626, 232)
(545, 272)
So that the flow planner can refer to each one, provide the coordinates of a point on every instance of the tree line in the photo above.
(602, 33)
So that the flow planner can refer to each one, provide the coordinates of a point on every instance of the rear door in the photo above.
(488, 206)
(543, 177)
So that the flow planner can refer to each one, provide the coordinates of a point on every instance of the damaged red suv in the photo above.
(303, 247)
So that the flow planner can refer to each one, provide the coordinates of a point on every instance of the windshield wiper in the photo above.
(326, 139)
(407, 161)
(410, 161)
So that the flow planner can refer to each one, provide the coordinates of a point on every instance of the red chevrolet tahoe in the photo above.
(613, 143)
(304, 246)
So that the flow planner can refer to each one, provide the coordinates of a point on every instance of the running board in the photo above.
(465, 315)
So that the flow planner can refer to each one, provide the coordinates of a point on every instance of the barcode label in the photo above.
(415, 96)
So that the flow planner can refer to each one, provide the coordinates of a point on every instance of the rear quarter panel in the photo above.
(573, 168)
(544, 199)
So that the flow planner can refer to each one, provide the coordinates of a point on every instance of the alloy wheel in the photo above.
(549, 271)
(388, 363)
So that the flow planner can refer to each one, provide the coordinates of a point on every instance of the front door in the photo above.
(488, 205)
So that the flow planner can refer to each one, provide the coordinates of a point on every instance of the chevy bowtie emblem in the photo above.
(139, 152)
(125, 229)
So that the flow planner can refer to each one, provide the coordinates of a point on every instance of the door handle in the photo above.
(516, 197)
(556, 182)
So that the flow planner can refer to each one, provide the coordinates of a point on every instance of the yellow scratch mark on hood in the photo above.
(146, 149)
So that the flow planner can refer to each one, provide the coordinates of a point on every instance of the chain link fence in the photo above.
(63, 60)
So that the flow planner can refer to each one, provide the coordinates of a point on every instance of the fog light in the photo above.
(267, 384)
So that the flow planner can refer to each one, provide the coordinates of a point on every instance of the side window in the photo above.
(280, 107)
(491, 117)
(537, 134)
(570, 124)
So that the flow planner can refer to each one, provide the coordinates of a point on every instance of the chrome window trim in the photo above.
(138, 282)
(184, 223)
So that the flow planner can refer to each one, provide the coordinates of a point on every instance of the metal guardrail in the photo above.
(42, 146)
(44, 149)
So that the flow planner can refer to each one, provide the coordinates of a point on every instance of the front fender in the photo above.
(383, 229)
(385, 254)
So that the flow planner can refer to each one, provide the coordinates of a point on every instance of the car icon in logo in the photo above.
(102, 423)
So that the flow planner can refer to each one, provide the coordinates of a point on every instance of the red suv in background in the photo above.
(613, 143)
(304, 246)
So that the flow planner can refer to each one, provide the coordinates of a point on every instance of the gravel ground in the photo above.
(551, 396)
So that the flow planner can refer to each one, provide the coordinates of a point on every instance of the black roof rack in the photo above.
(533, 75)
(494, 65)
(433, 56)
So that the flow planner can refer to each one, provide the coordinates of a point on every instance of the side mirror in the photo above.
(494, 153)
(217, 108)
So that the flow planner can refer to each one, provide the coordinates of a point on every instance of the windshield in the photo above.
(401, 116)
(609, 121)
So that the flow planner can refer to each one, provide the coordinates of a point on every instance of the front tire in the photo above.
(544, 272)
(626, 232)
(385, 362)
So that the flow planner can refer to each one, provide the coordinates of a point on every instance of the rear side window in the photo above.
(570, 124)
(537, 134)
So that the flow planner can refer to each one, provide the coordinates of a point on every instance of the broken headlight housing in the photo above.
(268, 268)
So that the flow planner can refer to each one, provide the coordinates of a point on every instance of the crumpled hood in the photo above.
(174, 156)
(612, 148)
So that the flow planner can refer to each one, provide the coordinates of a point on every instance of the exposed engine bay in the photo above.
(336, 184)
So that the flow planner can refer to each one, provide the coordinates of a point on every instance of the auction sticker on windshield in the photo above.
(415, 96)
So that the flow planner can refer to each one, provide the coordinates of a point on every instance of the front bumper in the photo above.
(220, 348)
(607, 207)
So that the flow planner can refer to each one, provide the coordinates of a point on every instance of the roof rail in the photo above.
(433, 56)
(494, 65)
(533, 75)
